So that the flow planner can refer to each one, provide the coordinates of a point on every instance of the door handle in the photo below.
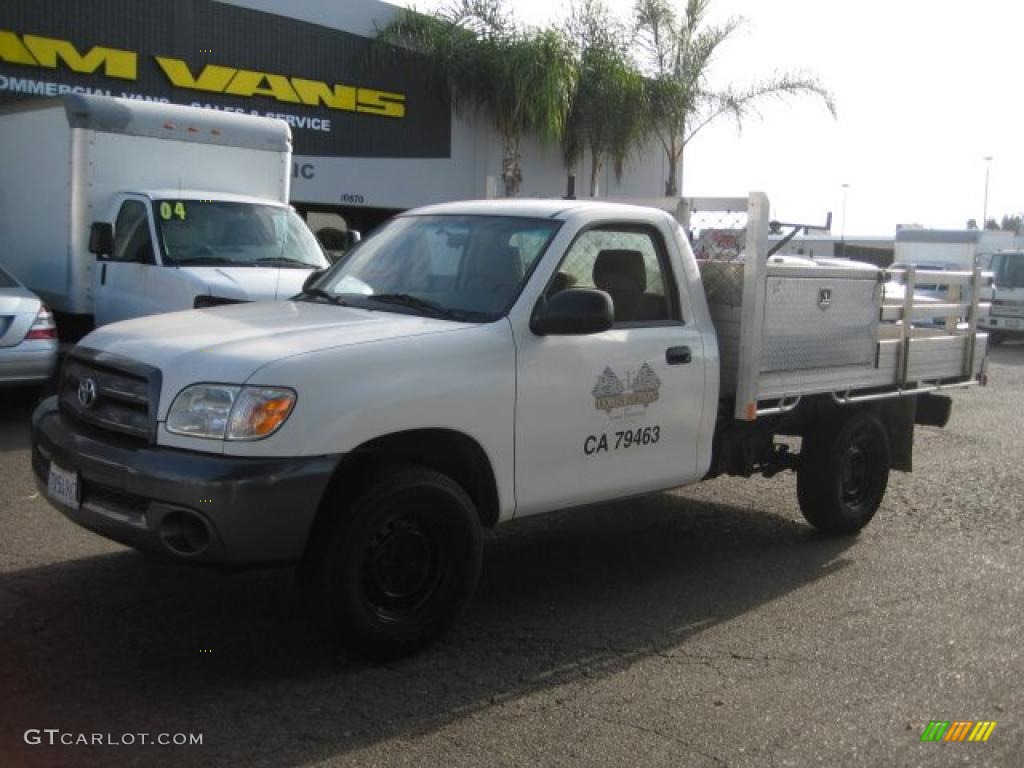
(103, 274)
(678, 355)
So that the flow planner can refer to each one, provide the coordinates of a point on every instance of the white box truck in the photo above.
(114, 208)
(477, 362)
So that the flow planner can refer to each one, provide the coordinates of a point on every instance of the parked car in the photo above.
(28, 336)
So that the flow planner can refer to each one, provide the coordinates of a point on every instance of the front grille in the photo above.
(110, 392)
(1007, 308)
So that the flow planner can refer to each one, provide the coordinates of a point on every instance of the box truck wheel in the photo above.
(398, 564)
(843, 472)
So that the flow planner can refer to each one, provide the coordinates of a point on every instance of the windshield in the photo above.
(462, 267)
(1008, 270)
(204, 232)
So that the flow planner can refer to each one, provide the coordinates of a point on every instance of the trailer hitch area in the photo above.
(781, 459)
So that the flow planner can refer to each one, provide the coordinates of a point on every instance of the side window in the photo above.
(627, 263)
(131, 234)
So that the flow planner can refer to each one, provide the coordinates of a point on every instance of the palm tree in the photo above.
(521, 79)
(607, 114)
(678, 52)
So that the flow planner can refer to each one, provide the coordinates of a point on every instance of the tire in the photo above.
(398, 564)
(843, 473)
(995, 338)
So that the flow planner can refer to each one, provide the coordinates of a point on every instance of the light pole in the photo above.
(842, 232)
(984, 210)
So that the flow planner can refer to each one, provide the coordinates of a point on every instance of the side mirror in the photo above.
(101, 238)
(573, 312)
(311, 278)
(337, 241)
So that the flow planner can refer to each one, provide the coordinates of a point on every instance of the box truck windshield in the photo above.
(207, 233)
(1008, 270)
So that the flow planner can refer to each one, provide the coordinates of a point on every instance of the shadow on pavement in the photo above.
(16, 406)
(121, 643)
(1007, 353)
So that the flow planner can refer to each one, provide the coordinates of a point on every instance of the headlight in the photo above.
(226, 412)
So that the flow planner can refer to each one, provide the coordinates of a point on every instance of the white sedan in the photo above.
(28, 336)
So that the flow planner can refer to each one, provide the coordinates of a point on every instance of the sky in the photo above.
(925, 91)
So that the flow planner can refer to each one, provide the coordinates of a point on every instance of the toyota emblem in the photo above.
(87, 392)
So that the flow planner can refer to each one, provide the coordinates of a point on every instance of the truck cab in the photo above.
(167, 250)
(1006, 318)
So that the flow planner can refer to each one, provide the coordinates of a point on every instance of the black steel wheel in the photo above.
(843, 472)
(399, 563)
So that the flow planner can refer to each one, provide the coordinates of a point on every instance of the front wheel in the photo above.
(398, 564)
(843, 473)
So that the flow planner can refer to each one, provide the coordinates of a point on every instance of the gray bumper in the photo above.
(28, 362)
(254, 511)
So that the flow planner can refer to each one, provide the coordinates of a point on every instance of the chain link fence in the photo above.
(719, 240)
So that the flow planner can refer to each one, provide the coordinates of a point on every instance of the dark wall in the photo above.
(200, 32)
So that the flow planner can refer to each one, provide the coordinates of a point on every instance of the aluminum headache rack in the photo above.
(789, 327)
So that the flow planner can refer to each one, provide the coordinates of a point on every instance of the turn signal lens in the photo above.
(259, 412)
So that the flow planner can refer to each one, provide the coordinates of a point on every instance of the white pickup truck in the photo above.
(472, 363)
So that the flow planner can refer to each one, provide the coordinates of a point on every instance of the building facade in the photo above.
(371, 134)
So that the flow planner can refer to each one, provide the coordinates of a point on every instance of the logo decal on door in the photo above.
(640, 388)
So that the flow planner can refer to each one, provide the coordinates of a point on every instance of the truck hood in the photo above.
(229, 343)
(250, 283)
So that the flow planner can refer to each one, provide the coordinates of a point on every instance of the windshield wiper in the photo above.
(285, 261)
(208, 261)
(415, 302)
(320, 293)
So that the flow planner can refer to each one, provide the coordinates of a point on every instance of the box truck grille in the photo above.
(1008, 308)
(111, 393)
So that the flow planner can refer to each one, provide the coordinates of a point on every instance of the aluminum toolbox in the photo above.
(819, 321)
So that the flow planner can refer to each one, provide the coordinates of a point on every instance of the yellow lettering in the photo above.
(212, 78)
(315, 93)
(13, 51)
(115, 63)
(381, 103)
(247, 83)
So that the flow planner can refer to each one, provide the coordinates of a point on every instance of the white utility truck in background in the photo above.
(1006, 318)
(471, 363)
(114, 208)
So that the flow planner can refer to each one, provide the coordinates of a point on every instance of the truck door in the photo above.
(119, 280)
(618, 412)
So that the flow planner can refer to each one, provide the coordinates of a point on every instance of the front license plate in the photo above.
(62, 485)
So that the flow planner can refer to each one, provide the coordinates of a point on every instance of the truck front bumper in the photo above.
(1008, 326)
(199, 507)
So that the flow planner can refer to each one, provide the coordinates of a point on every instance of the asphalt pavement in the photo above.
(704, 627)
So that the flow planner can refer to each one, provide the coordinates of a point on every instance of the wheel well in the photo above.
(451, 453)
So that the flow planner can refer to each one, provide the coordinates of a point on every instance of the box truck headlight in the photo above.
(224, 412)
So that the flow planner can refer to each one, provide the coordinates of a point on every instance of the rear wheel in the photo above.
(843, 473)
(995, 338)
(398, 564)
